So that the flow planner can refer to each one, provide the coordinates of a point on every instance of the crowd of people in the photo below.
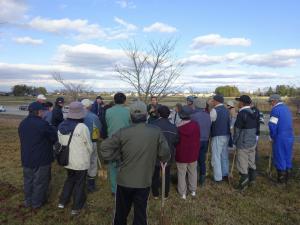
(138, 140)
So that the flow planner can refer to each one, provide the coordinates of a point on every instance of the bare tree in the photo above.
(72, 88)
(152, 71)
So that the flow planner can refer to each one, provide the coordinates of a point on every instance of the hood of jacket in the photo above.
(67, 126)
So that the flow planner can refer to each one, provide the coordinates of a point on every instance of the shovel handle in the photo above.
(163, 183)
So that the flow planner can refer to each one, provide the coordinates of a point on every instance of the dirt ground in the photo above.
(265, 203)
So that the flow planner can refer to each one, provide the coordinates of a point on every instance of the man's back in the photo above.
(139, 146)
(284, 122)
(203, 120)
(117, 117)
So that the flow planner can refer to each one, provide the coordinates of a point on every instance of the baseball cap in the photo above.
(35, 106)
(218, 98)
(86, 103)
(274, 97)
(41, 97)
(244, 98)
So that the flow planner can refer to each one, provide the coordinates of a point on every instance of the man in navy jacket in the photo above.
(37, 138)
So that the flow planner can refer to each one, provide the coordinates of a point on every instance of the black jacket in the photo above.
(257, 115)
(171, 134)
(57, 116)
(37, 138)
(245, 129)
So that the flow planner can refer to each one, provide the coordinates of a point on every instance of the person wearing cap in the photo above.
(244, 139)
(202, 118)
(116, 118)
(171, 134)
(57, 113)
(98, 108)
(80, 150)
(190, 101)
(41, 99)
(282, 137)
(174, 116)
(232, 112)
(37, 138)
(187, 153)
(152, 109)
(47, 116)
(220, 133)
(94, 125)
(136, 147)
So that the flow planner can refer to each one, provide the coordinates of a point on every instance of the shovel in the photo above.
(163, 190)
(230, 178)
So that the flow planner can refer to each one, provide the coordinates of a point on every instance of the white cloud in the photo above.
(218, 40)
(90, 56)
(126, 4)
(278, 58)
(205, 60)
(82, 29)
(160, 27)
(12, 10)
(128, 26)
(28, 40)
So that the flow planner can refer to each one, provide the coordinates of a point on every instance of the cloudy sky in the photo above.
(248, 43)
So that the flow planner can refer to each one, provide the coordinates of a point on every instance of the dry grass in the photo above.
(262, 204)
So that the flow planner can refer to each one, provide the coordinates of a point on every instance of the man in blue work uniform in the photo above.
(282, 137)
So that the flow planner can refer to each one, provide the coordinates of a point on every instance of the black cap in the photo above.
(99, 97)
(60, 100)
(218, 98)
(164, 111)
(245, 99)
(35, 106)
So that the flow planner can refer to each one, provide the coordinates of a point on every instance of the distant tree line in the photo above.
(284, 90)
(24, 90)
(228, 91)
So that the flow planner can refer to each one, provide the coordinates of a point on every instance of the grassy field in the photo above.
(265, 203)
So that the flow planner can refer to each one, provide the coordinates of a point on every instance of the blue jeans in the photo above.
(219, 160)
(202, 157)
(36, 184)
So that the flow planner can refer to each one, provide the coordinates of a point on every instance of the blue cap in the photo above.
(35, 106)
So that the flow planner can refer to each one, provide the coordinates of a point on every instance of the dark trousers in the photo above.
(36, 185)
(125, 197)
(75, 184)
(202, 157)
(156, 181)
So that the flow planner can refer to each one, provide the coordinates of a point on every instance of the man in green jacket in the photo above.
(116, 118)
(136, 148)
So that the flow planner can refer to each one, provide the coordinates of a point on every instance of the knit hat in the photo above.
(218, 98)
(35, 106)
(185, 112)
(275, 97)
(245, 99)
(200, 103)
(86, 103)
(138, 108)
(164, 111)
(76, 110)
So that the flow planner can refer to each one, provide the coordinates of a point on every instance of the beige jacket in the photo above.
(80, 147)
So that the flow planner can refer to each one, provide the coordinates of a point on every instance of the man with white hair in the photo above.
(282, 137)
(94, 125)
(41, 99)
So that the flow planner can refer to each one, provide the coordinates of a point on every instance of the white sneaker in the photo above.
(193, 194)
(60, 206)
(183, 197)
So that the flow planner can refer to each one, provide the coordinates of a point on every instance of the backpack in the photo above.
(62, 151)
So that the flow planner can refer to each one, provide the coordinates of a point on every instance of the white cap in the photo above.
(86, 103)
(41, 97)
(230, 103)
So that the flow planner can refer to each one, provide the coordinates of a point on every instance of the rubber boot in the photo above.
(202, 180)
(91, 184)
(243, 183)
(288, 175)
(252, 176)
(281, 177)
